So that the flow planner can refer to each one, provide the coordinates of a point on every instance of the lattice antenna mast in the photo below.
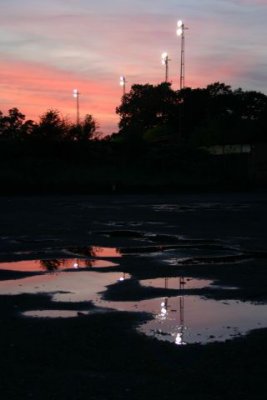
(180, 32)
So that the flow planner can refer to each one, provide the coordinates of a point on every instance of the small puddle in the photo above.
(227, 259)
(122, 233)
(96, 251)
(54, 265)
(52, 313)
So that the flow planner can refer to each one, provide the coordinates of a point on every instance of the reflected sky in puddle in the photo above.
(54, 264)
(178, 319)
(67, 286)
(192, 319)
(176, 282)
(52, 313)
(62, 313)
(96, 251)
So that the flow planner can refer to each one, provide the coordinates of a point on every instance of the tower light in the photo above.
(123, 84)
(165, 61)
(76, 95)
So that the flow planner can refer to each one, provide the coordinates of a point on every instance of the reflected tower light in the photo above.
(165, 61)
(180, 32)
(123, 84)
(76, 95)
(179, 340)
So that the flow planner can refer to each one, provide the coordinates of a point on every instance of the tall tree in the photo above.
(52, 126)
(146, 107)
(87, 130)
(14, 126)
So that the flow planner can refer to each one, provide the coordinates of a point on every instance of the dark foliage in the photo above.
(163, 143)
(214, 115)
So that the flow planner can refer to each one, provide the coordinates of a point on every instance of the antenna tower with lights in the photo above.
(180, 32)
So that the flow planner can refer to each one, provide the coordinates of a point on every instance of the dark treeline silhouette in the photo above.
(214, 115)
(165, 141)
(51, 127)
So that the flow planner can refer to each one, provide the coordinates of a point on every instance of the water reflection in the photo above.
(51, 265)
(55, 265)
(164, 311)
(174, 283)
(179, 340)
(124, 276)
(179, 319)
(62, 313)
(207, 320)
(96, 251)
(52, 313)
(164, 304)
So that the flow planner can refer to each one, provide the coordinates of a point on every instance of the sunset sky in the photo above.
(48, 48)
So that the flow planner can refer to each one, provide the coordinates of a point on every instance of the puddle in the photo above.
(219, 257)
(122, 234)
(193, 319)
(147, 249)
(178, 319)
(52, 313)
(51, 265)
(66, 286)
(188, 246)
(177, 283)
(62, 313)
(95, 251)
(226, 259)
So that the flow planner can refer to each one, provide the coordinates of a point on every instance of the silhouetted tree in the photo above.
(85, 131)
(52, 126)
(14, 126)
(146, 107)
(218, 89)
(232, 116)
(212, 115)
(89, 127)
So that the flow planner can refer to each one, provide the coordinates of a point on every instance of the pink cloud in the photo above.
(34, 88)
(91, 51)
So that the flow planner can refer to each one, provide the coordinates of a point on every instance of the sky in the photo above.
(50, 47)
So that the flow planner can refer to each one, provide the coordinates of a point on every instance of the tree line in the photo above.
(151, 114)
(162, 143)
(51, 127)
(203, 116)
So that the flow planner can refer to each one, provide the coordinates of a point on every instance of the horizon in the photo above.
(49, 49)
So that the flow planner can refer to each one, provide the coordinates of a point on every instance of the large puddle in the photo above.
(178, 318)
(192, 319)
